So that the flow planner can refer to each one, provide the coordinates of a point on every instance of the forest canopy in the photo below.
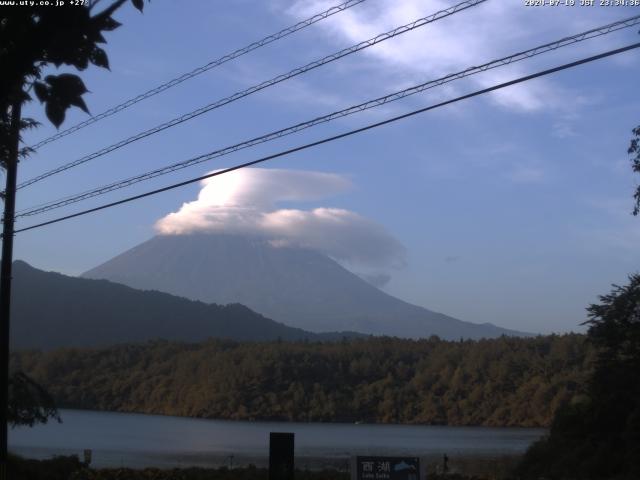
(498, 382)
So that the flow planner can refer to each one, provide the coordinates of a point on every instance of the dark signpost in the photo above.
(385, 468)
(281, 448)
(87, 456)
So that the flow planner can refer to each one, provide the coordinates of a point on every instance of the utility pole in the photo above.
(11, 165)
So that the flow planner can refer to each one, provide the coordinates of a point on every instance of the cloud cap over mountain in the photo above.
(245, 202)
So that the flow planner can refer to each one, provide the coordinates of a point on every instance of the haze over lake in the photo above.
(123, 439)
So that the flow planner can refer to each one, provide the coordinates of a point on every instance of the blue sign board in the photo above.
(386, 468)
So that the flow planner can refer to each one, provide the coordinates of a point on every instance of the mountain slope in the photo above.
(298, 287)
(51, 310)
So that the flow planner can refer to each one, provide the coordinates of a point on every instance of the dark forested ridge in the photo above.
(51, 310)
(498, 382)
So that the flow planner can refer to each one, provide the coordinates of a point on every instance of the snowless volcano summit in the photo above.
(297, 286)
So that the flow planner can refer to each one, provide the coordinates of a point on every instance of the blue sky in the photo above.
(511, 208)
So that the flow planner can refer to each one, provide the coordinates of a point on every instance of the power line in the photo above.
(256, 88)
(339, 136)
(204, 68)
(596, 32)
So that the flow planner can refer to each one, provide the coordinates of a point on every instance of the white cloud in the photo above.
(378, 280)
(244, 202)
(480, 34)
(526, 174)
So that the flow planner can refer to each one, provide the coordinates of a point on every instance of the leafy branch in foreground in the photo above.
(35, 37)
(29, 403)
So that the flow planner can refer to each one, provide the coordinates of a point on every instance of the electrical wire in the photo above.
(256, 88)
(336, 137)
(593, 33)
(204, 68)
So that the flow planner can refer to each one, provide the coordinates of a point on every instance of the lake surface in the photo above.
(135, 440)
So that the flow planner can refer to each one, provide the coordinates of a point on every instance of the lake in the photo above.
(136, 440)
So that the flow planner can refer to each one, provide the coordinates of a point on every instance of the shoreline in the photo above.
(299, 422)
(140, 440)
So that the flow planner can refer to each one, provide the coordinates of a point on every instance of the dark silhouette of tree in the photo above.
(29, 403)
(634, 148)
(615, 331)
(33, 38)
(597, 434)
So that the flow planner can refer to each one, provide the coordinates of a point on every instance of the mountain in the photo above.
(296, 286)
(51, 310)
